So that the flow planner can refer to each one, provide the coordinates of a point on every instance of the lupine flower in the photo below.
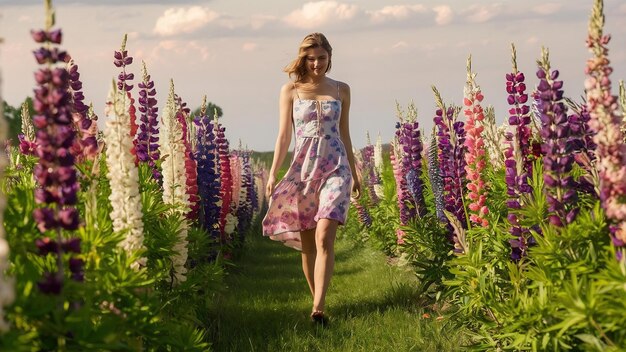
(451, 138)
(172, 149)
(122, 59)
(404, 198)
(400, 236)
(235, 173)
(410, 142)
(226, 176)
(434, 174)
(363, 214)
(7, 292)
(147, 140)
(606, 122)
(55, 172)
(208, 177)
(244, 210)
(123, 176)
(494, 138)
(378, 163)
(557, 146)
(475, 157)
(28, 146)
(372, 178)
(86, 145)
(191, 167)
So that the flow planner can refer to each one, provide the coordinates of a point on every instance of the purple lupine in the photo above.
(407, 212)
(372, 178)
(86, 145)
(55, 172)
(122, 59)
(434, 175)
(451, 138)
(208, 174)
(583, 146)
(410, 140)
(363, 214)
(147, 140)
(557, 146)
(518, 158)
(244, 211)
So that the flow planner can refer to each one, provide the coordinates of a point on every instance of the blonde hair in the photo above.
(298, 66)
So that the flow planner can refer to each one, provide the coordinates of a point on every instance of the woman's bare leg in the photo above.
(325, 234)
(309, 251)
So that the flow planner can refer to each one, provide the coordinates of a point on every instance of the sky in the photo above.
(234, 52)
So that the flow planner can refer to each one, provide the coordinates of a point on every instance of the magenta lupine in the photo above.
(147, 139)
(606, 122)
(451, 139)
(86, 145)
(475, 156)
(226, 178)
(557, 146)
(55, 172)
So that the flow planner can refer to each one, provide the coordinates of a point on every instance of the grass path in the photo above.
(372, 305)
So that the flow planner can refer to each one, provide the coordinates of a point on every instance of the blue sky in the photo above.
(234, 51)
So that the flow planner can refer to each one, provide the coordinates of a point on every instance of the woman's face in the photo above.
(316, 61)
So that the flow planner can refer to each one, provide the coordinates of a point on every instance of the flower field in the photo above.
(518, 230)
(118, 239)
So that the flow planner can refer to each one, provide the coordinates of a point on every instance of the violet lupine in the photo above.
(371, 176)
(451, 138)
(172, 149)
(147, 139)
(7, 284)
(208, 176)
(403, 195)
(123, 175)
(244, 210)
(434, 175)
(363, 214)
(55, 172)
(606, 122)
(475, 156)
(583, 147)
(86, 145)
(28, 146)
(410, 142)
(225, 176)
(557, 146)
(122, 59)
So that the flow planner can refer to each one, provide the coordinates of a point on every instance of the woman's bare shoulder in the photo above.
(287, 88)
(344, 88)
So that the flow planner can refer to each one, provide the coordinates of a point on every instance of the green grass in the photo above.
(372, 306)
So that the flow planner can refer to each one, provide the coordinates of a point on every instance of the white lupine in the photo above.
(231, 223)
(378, 165)
(172, 150)
(123, 175)
(7, 293)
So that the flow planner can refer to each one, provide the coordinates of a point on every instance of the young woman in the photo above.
(313, 197)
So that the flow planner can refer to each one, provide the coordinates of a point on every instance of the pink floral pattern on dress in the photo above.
(318, 182)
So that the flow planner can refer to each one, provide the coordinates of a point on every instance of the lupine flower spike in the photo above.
(475, 157)
(122, 59)
(28, 146)
(175, 178)
(123, 176)
(372, 179)
(606, 121)
(434, 174)
(410, 145)
(622, 103)
(55, 172)
(378, 163)
(518, 164)
(494, 138)
(226, 178)
(147, 140)
(451, 140)
(557, 146)
(86, 145)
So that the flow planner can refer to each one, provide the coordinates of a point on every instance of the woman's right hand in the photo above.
(269, 188)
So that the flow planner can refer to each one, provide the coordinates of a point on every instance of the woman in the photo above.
(313, 198)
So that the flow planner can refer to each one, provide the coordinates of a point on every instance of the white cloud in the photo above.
(258, 21)
(183, 20)
(400, 44)
(179, 49)
(444, 14)
(249, 46)
(395, 12)
(315, 14)
(481, 14)
(547, 8)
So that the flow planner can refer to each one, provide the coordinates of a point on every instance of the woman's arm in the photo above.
(344, 129)
(284, 134)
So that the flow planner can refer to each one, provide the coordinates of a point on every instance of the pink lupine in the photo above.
(475, 157)
(226, 177)
(605, 120)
